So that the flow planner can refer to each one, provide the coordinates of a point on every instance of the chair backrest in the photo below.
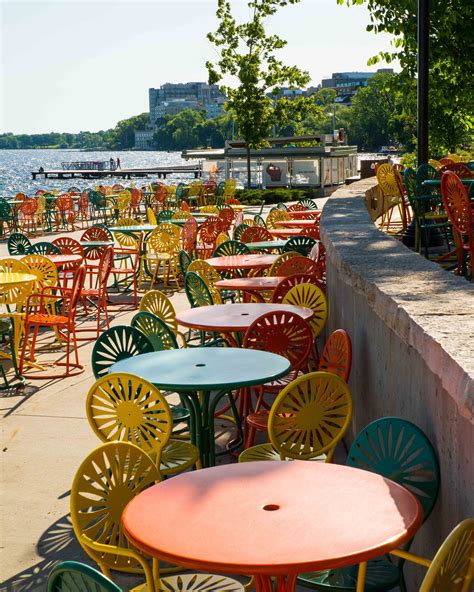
(457, 204)
(197, 291)
(275, 215)
(150, 216)
(95, 233)
(386, 180)
(301, 243)
(227, 217)
(72, 576)
(258, 220)
(159, 334)
(189, 234)
(289, 282)
(115, 472)
(165, 215)
(310, 416)
(297, 207)
(308, 203)
(452, 567)
(127, 408)
(231, 247)
(162, 242)
(336, 356)
(184, 261)
(160, 305)
(115, 344)
(44, 269)
(209, 231)
(181, 215)
(283, 333)
(459, 168)
(239, 230)
(105, 267)
(274, 269)
(44, 248)
(309, 296)
(298, 265)
(397, 449)
(18, 244)
(209, 275)
(255, 234)
(68, 246)
(222, 237)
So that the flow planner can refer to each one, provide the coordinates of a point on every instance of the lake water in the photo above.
(16, 167)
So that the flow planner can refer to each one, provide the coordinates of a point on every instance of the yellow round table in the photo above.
(12, 280)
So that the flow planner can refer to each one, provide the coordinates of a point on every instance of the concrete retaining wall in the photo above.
(412, 330)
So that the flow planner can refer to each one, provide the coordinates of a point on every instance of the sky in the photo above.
(69, 66)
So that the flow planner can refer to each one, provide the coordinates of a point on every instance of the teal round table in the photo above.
(204, 375)
(437, 182)
(276, 245)
(182, 221)
(133, 229)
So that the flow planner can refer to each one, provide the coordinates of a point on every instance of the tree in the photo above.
(383, 113)
(246, 56)
(451, 115)
(122, 137)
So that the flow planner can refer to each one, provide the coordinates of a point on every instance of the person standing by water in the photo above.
(112, 164)
(118, 163)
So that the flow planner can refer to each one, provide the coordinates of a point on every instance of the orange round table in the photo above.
(251, 285)
(297, 223)
(230, 318)
(230, 262)
(266, 519)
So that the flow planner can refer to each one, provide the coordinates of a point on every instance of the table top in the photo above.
(272, 517)
(296, 223)
(276, 244)
(60, 260)
(96, 243)
(437, 182)
(199, 220)
(285, 232)
(304, 213)
(15, 279)
(242, 262)
(131, 229)
(205, 368)
(233, 317)
(252, 283)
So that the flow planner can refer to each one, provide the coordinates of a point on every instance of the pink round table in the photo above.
(285, 232)
(230, 318)
(230, 262)
(269, 519)
(305, 214)
(250, 286)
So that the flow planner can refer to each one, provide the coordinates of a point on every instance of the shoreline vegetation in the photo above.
(382, 114)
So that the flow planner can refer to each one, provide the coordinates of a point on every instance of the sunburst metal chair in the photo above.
(397, 449)
(306, 421)
(127, 408)
(117, 472)
(71, 576)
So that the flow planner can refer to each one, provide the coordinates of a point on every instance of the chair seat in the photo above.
(47, 319)
(258, 420)
(278, 385)
(381, 575)
(199, 582)
(178, 456)
(266, 452)
(126, 270)
(89, 292)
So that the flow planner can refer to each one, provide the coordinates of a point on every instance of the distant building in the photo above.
(171, 99)
(346, 84)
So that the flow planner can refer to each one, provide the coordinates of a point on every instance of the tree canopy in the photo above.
(247, 56)
(451, 111)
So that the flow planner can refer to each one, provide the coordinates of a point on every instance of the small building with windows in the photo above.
(346, 84)
(300, 161)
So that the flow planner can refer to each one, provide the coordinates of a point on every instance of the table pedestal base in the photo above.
(275, 584)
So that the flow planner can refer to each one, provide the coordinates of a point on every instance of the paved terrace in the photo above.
(411, 326)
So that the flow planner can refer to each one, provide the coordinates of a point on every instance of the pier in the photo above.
(126, 173)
